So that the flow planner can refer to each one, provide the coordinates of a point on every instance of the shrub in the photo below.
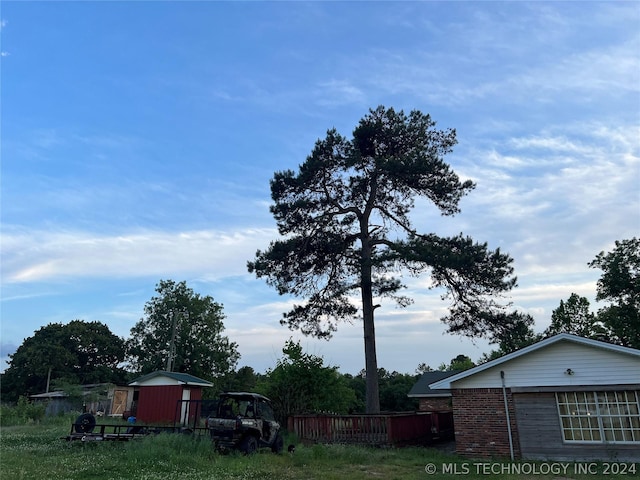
(22, 413)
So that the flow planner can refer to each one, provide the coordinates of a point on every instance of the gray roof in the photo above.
(56, 394)
(184, 378)
(87, 389)
(421, 387)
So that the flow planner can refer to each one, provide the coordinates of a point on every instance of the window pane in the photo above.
(599, 416)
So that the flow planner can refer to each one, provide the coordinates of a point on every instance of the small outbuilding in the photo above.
(430, 400)
(564, 398)
(166, 397)
(96, 398)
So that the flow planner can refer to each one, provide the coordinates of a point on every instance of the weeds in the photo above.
(37, 451)
(21, 414)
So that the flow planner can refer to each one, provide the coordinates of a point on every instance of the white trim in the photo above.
(446, 383)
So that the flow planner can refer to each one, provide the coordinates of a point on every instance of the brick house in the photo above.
(564, 398)
(430, 400)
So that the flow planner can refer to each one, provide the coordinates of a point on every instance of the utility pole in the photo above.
(172, 342)
(48, 379)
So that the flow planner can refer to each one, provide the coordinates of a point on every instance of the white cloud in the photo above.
(30, 256)
(339, 92)
(558, 144)
(613, 71)
(532, 59)
(583, 168)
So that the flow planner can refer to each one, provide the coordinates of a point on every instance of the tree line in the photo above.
(184, 331)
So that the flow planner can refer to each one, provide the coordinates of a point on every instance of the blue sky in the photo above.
(139, 138)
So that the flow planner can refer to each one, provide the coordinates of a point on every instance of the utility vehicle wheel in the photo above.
(278, 444)
(85, 423)
(249, 445)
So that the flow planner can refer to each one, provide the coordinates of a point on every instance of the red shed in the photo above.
(165, 397)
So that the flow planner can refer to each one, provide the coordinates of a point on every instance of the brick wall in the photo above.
(435, 404)
(480, 423)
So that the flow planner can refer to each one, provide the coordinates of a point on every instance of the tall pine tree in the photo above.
(345, 223)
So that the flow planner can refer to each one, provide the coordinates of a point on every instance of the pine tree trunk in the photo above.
(371, 362)
(371, 359)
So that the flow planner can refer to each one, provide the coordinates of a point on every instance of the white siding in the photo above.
(547, 367)
(160, 380)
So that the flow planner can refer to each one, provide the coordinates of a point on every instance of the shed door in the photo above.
(184, 413)
(119, 404)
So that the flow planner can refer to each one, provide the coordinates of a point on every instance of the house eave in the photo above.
(446, 383)
(576, 388)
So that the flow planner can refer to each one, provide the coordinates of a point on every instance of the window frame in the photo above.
(597, 417)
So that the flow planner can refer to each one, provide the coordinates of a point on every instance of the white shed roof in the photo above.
(161, 378)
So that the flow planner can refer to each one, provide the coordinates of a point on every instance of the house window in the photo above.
(612, 417)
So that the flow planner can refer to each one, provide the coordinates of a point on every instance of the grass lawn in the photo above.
(36, 451)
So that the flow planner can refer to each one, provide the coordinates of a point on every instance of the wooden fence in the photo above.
(393, 429)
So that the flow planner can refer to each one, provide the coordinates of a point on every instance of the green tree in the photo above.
(459, 363)
(301, 383)
(620, 285)
(75, 353)
(423, 368)
(574, 316)
(394, 387)
(357, 383)
(182, 331)
(515, 332)
(345, 222)
(244, 379)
